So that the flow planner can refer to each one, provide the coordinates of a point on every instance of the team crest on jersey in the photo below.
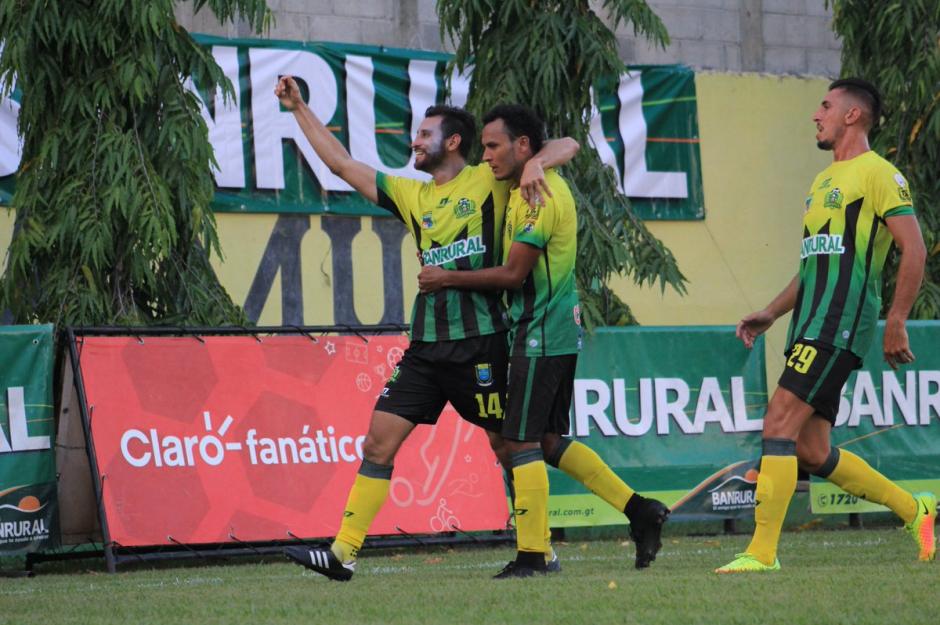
(532, 212)
(464, 208)
(903, 192)
(427, 221)
(833, 199)
(484, 374)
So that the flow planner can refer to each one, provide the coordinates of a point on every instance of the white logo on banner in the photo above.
(20, 440)
(667, 404)
(272, 126)
(144, 448)
(11, 145)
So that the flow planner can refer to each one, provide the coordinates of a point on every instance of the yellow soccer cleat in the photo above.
(921, 528)
(746, 563)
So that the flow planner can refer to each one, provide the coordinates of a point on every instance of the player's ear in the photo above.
(853, 115)
(453, 143)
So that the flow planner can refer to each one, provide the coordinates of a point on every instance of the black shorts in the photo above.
(539, 396)
(816, 372)
(469, 373)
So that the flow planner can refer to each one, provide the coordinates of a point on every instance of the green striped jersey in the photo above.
(546, 319)
(456, 225)
(845, 244)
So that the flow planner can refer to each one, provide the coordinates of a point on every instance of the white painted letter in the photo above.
(271, 126)
(584, 410)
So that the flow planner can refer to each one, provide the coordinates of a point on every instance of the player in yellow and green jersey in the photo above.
(855, 210)
(539, 253)
(457, 352)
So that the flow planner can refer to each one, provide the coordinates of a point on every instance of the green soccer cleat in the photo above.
(921, 528)
(746, 563)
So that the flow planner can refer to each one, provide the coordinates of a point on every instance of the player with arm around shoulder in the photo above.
(537, 273)
(457, 351)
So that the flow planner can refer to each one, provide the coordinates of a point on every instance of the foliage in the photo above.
(896, 46)
(113, 224)
(548, 54)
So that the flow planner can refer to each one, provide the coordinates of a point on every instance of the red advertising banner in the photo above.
(232, 438)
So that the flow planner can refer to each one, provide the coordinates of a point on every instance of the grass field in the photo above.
(847, 576)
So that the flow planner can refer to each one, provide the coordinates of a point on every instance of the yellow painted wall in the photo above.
(6, 232)
(758, 158)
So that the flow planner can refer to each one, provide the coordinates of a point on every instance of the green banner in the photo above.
(645, 126)
(890, 418)
(676, 412)
(28, 504)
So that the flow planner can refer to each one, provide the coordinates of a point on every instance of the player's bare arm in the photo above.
(511, 275)
(908, 238)
(554, 153)
(360, 176)
(756, 323)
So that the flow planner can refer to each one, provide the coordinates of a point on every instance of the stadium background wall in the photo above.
(757, 155)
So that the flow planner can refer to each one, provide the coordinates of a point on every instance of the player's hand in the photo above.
(532, 184)
(752, 326)
(431, 278)
(288, 93)
(897, 347)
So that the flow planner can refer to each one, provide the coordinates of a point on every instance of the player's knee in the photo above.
(810, 458)
(550, 443)
(498, 445)
(376, 451)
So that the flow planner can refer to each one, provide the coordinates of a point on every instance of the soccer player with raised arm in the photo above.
(458, 338)
(539, 251)
(855, 210)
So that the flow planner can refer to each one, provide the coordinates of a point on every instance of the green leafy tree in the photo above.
(113, 224)
(896, 46)
(548, 54)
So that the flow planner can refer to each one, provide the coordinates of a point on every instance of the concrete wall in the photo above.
(775, 36)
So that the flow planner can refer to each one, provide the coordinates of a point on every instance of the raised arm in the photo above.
(908, 238)
(359, 175)
(554, 153)
(755, 324)
(522, 257)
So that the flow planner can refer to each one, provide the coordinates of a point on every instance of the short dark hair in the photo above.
(455, 121)
(864, 91)
(520, 121)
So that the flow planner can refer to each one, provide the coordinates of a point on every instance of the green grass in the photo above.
(848, 576)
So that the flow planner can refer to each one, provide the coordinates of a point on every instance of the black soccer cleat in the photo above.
(321, 561)
(514, 569)
(553, 565)
(646, 529)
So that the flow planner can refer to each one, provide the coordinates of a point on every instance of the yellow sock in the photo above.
(549, 552)
(775, 486)
(531, 481)
(855, 476)
(366, 497)
(583, 464)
